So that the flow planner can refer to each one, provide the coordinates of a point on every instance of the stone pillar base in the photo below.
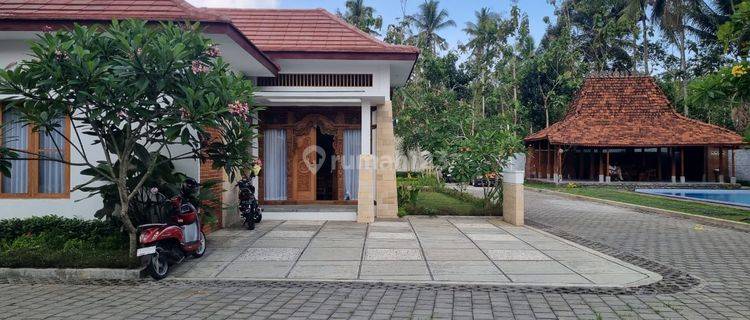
(674, 179)
(513, 206)
(721, 178)
(682, 179)
(366, 193)
(601, 178)
(609, 179)
(733, 180)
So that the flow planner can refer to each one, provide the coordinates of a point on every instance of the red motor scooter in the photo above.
(162, 244)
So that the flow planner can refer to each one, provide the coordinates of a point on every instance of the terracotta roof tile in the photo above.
(103, 10)
(305, 30)
(623, 111)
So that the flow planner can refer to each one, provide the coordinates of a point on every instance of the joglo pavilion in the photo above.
(624, 128)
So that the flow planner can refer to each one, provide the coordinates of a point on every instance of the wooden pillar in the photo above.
(658, 164)
(601, 165)
(591, 165)
(682, 165)
(606, 169)
(538, 159)
(733, 175)
(721, 165)
(580, 156)
(550, 161)
(674, 165)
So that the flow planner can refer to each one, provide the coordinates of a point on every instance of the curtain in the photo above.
(51, 173)
(352, 150)
(16, 136)
(274, 164)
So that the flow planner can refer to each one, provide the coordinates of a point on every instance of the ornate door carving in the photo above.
(304, 159)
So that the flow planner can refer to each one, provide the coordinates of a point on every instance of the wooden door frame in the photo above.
(332, 121)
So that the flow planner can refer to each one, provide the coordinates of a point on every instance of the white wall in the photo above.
(78, 205)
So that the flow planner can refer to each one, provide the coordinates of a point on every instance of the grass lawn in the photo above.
(432, 202)
(620, 195)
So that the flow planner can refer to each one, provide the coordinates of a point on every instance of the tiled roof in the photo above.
(103, 10)
(621, 111)
(305, 30)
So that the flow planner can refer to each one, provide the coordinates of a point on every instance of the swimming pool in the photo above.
(730, 197)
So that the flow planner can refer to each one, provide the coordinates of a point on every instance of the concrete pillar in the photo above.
(366, 128)
(366, 193)
(385, 173)
(513, 207)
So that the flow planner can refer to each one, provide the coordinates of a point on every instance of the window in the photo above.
(34, 178)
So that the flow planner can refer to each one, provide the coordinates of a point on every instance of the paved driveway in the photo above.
(719, 257)
(417, 249)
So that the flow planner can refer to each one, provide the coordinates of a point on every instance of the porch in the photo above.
(701, 166)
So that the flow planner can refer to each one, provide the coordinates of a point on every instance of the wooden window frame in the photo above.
(32, 191)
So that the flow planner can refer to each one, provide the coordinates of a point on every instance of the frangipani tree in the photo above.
(137, 90)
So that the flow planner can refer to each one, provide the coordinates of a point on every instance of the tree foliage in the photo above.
(145, 95)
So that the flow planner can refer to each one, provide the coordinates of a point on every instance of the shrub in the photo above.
(57, 242)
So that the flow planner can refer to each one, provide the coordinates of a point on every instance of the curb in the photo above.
(716, 222)
(70, 274)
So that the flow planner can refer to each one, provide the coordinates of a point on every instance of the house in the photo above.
(325, 86)
(623, 127)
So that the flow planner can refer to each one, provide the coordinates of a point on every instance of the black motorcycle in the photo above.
(250, 210)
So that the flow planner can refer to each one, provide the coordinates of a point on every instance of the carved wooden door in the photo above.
(305, 159)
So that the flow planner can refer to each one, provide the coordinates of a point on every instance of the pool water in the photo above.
(731, 197)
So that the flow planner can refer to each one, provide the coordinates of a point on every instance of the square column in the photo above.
(513, 206)
(385, 173)
(366, 192)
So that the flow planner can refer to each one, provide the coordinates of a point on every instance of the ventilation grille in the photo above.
(316, 80)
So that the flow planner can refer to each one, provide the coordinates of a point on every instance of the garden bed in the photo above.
(56, 242)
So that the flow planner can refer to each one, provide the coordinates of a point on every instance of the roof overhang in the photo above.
(239, 51)
(401, 63)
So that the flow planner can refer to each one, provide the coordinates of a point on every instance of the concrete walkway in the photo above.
(417, 249)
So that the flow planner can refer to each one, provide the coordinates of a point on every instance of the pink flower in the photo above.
(213, 51)
(154, 190)
(200, 67)
(240, 109)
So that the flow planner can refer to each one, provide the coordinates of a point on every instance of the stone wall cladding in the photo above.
(387, 202)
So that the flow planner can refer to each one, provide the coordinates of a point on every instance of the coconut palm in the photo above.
(362, 16)
(635, 10)
(429, 20)
(672, 18)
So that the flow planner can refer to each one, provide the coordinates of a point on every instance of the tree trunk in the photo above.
(645, 44)
(683, 69)
(515, 93)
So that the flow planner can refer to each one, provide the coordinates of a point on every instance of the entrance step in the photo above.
(310, 212)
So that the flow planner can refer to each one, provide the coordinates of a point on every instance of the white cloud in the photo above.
(236, 3)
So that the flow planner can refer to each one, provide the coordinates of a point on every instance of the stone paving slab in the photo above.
(443, 249)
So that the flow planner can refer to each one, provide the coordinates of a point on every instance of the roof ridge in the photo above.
(196, 10)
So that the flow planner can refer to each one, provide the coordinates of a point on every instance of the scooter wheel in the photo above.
(202, 249)
(250, 224)
(158, 266)
(258, 217)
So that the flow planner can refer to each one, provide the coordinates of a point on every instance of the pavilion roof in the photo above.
(629, 111)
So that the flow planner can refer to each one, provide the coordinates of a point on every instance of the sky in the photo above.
(461, 11)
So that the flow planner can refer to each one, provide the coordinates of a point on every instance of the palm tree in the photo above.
(672, 16)
(362, 16)
(428, 21)
(483, 35)
(635, 10)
